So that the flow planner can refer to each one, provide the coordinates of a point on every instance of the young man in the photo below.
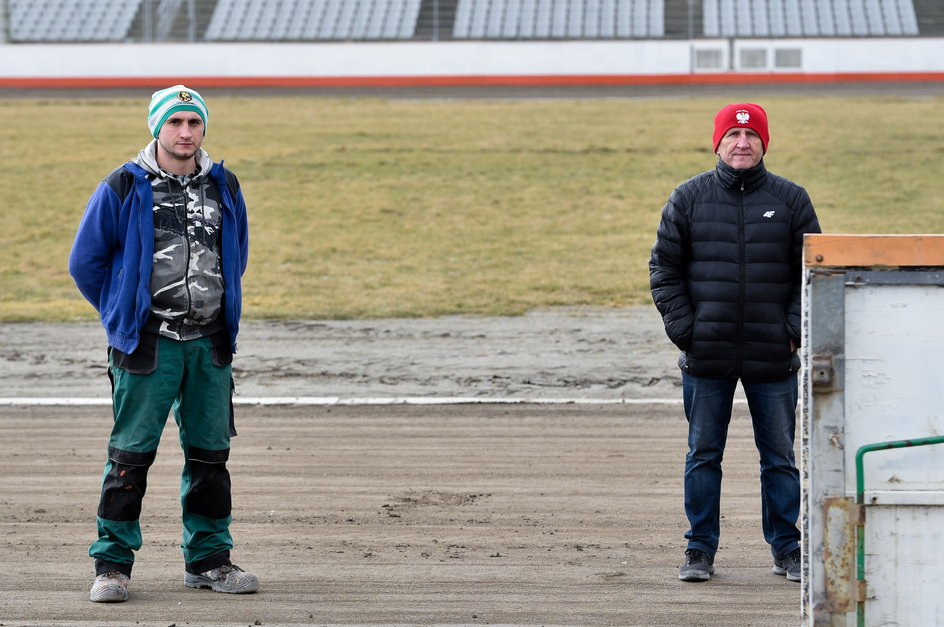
(159, 253)
(725, 274)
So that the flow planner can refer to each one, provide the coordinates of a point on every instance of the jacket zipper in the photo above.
(742, 279)
(186, 231)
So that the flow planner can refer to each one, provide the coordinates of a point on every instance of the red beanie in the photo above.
(744, 114)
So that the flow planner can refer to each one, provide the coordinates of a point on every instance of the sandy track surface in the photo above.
(551, 354)
(461, 514)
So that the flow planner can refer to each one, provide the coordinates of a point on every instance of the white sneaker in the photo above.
(227, 578)
(110, 587)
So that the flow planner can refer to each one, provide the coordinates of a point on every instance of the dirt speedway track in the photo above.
(449, 514)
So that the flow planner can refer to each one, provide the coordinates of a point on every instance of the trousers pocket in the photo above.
(222, 351)
(144, 358)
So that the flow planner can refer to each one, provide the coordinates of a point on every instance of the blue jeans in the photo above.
(708, 404)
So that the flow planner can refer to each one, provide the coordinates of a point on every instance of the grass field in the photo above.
(364, 208)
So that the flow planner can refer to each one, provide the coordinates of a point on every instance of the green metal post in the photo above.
(860, 500)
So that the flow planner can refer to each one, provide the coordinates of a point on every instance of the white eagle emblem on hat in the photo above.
(743, 117)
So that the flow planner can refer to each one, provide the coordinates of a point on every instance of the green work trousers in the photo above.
(189, 380)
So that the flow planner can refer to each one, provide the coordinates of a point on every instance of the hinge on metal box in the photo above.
(821, 369)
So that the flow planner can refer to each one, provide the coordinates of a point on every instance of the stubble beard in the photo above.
(176, 155)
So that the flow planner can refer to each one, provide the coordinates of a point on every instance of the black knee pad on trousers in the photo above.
(124, 484)
(210, 487)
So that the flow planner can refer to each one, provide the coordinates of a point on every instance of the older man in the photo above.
(725, 274)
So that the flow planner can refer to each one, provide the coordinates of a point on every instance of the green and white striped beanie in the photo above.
(176, 98)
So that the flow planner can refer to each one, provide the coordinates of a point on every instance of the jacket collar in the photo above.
(741, 179)
(147, 159)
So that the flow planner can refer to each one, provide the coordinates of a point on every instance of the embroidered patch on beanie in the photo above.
(744, 114)
(172, 99)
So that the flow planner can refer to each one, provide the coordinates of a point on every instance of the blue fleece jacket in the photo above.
(114, 248)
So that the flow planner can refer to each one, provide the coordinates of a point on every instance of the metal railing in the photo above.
(861, 592)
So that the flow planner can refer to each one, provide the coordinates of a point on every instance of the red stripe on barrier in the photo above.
(468, 81)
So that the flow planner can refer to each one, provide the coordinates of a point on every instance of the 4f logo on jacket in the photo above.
(769, 214)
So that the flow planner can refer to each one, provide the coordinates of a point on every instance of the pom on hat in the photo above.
(177, 98)
(744, 114)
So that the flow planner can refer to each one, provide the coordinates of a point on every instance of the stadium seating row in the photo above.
(563, 19)
(809, 18)
(326, 20)
(264, 20)
(71, 20)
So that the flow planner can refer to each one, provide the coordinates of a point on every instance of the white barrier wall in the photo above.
(470, 59)
(346, 59)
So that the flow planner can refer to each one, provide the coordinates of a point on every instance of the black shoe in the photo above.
(789, 566)
(698, 566)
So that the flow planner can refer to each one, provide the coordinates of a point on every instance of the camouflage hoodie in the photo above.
(186, 279)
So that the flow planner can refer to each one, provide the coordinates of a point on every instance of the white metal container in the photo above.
(872, 456)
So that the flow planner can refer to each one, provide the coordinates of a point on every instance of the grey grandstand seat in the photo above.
(558, 19)
(299, 20)
(227, 19)
(265, 19)
(105, 13)
(280, 21)
(900, 17)
(251, 25)
(345, 25)
(326, 27)
(843, 21)
(296, 20)
(95, 19)
(393, 19)
(808, 18)
(218, 20)
(71, 20)
(315, 24)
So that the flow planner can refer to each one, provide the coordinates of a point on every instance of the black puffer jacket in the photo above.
(725, 272)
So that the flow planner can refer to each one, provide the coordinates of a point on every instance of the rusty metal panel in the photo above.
(840, 515)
